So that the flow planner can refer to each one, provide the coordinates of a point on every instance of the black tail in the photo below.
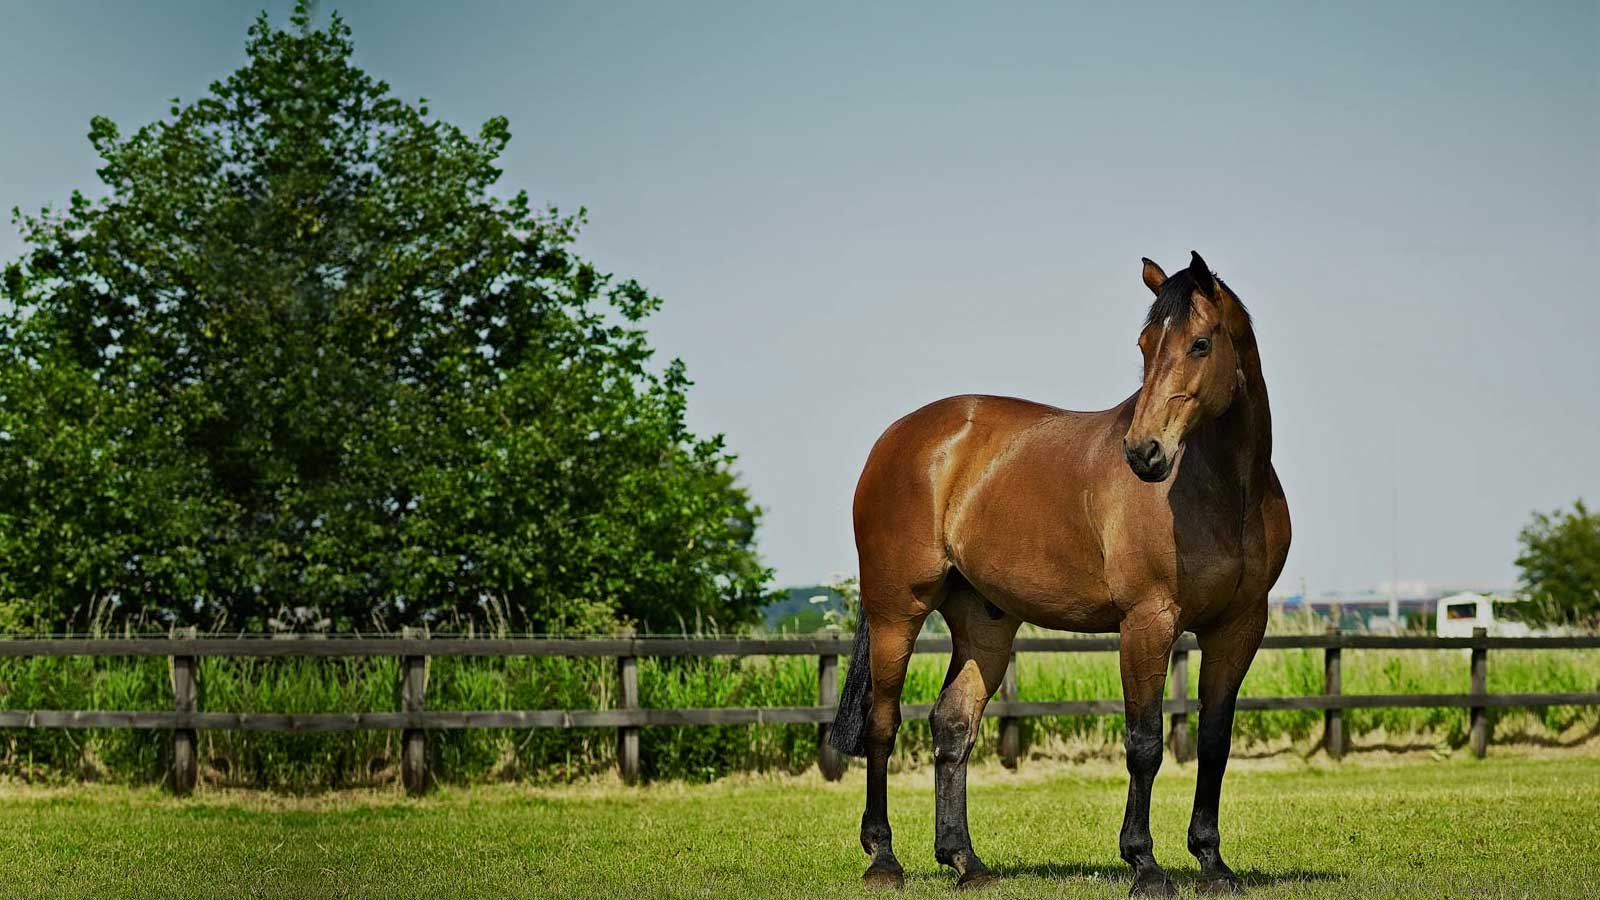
(849, 734)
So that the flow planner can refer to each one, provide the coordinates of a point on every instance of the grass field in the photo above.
(1523, 824)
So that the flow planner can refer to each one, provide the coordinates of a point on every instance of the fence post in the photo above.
(413, 741)
(830, 761)
(628, 735)
(1332, 686)
(1480, 686)
(185, 762)
(1178, 681)
(1010, 727)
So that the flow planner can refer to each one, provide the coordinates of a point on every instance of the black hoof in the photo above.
(977, 880)
(1152, 883)
(1223, 886)
(884, 876)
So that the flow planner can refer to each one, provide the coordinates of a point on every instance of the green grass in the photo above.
(323, 761)
(1518, 825)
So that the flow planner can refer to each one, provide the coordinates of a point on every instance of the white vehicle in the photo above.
(1460, 613)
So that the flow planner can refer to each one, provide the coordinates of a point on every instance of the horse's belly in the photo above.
(1066, 613)
(1032, 561)
(1050, 596)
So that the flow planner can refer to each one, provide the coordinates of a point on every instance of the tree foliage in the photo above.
(300, 354)
(1560, 563)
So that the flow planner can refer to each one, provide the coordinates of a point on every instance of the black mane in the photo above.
(1175, 300)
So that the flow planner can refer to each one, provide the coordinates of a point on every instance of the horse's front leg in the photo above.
(1225, 654)
(1148, 632)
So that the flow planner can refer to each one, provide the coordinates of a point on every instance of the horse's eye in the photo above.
(1201, 347)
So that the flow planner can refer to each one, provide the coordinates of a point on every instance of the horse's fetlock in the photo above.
(1204, 839)
(1137, 852)
(951, 850)
(876, 837)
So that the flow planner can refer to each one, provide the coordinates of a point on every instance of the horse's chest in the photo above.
(1192, 545)
(1210, 564)
(1208, 537)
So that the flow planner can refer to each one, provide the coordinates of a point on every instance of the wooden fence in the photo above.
(414, 720)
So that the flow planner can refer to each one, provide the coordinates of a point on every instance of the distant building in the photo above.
(802, 609)
(1417, 603)
(1460, 613)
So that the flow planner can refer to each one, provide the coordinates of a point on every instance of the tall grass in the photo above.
(313, 761)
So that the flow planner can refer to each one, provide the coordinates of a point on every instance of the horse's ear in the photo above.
(1154, 278)
(1201, 273)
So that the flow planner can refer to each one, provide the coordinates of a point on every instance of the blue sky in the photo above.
(850, 212)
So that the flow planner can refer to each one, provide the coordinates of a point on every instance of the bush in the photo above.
(299, 352)
(1560, 563)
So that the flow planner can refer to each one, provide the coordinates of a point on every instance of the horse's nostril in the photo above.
(1144, 457)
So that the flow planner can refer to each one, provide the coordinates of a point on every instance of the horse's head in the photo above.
(1191, 365)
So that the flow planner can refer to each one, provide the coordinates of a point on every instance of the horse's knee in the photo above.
(1143, 746)
(953, 733)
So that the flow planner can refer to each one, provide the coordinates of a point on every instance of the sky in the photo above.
(850, 212)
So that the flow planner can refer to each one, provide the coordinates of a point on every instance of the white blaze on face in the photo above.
(1170, 404)
(1161, 342)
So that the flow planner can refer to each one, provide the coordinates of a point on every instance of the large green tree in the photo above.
(300, 354)
(1560, 563)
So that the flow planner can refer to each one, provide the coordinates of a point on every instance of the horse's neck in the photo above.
(1238, 444)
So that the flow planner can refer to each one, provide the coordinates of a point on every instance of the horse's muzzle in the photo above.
(1148, 460)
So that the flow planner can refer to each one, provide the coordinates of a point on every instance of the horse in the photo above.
(1158, 516)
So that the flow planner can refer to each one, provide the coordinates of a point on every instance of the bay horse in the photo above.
(1158, 516)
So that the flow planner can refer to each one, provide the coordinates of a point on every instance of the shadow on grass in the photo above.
(1266, 753)
(1260, 878)
(1391, 746)
(1180, 875)
(1504, 737)
(1521, 736)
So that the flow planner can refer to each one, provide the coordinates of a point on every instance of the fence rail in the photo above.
(414, 720)
(664, 647)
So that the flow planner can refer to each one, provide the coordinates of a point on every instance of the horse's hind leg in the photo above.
(981, 635)
(894, 634)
